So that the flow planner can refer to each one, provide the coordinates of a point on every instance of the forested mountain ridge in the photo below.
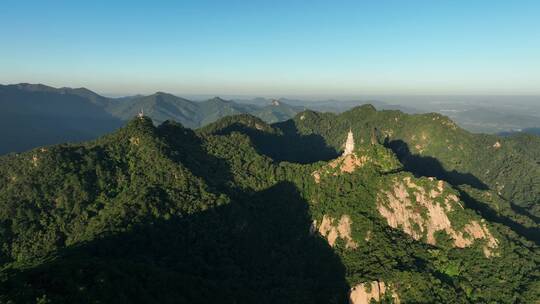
(37, 114)
(433, 145)
(241, 211)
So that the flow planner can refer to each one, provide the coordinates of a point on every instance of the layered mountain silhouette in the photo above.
(415, 210)
(35, 114)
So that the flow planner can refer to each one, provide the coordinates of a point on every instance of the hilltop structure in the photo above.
(349, 144)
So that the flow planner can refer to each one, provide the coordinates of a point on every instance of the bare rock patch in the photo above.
(421, 213)
(363, 293)
(342, 230)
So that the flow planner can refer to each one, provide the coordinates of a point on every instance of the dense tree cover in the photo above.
(433, 145)
(166, 215)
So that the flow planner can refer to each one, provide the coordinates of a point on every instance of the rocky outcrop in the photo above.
(344, 164)
(365, 292)
(421, 213)
(135, 140)
(355, 157)
(332, 232)
(316, 176)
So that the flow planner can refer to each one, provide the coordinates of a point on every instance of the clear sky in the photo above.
(274, 47)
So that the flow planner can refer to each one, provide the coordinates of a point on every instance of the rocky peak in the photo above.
(376, 155)
(423, 207)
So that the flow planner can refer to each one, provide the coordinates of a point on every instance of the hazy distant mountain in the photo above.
(535, 131)
(81, 92)
(34, 115)
(277, 111)
(43, 115)
(159, 106)
(485, 120)
(480, 114)
(532, 131)
(163, 106)
(215, 108)
(329, 105)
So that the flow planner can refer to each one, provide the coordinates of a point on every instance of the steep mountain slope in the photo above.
(34, 115)
(433, 145)
(164, 215)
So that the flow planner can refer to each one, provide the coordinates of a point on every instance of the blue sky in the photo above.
(285, 48)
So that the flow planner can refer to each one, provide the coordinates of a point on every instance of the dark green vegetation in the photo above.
(36, 115)
(223, 214)
(432, 145)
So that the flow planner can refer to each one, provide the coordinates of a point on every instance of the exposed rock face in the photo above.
(345, 164)
(343, 230)
(360, 294)
(354, 157)
(316, 176)
(134, 140)
(424, 213)
(348, 163)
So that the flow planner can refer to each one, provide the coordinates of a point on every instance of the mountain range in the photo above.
(35, 114)
(360, 206)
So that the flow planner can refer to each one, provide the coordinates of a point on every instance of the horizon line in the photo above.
(277, 96)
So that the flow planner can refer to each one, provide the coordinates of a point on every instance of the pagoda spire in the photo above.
(349, 144)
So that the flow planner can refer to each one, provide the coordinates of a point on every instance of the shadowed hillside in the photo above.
(178, 260)
(507, 165)
(38, 115)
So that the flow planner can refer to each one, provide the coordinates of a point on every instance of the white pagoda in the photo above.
(349, 144)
